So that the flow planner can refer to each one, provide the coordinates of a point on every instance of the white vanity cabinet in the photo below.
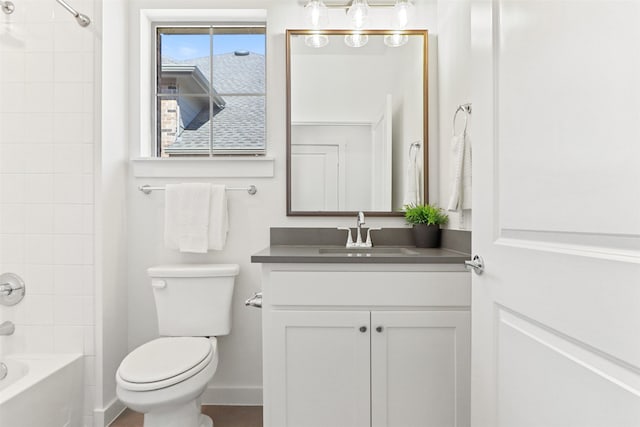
(360, 346)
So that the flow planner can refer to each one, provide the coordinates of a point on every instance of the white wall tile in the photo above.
(38, 248)
(38, 338)
(68, 249)
(12, 158)
(68, 219)
(38, 97)
(12, 219)
(40, 279)
(39, 127)
(12, 248)
(68, 158)
(38, 188)
(68, 339)
(12, 99)
(68, 310)
(70, 279)
(38, 158)
(39, 311)
(12, 67)
(68, 188)
(68, 128)
(68, 98)
(69, 67)
(12, 128)
(38, 218)
(11, 188)
(38, 66)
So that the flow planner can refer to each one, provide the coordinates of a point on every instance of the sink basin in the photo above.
(366, 251)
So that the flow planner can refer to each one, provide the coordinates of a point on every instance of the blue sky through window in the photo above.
(187, 46)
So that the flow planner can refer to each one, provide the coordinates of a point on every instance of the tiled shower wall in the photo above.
(46, 180)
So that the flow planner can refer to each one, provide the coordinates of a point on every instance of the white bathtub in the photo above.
(42, 390)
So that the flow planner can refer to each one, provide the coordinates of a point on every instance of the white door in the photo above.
(420, 368)
(321, 371)
(322, 193)
(556, 200)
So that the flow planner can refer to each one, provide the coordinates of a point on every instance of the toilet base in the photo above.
(185, 415)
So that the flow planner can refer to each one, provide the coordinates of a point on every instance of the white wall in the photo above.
(454, 86)
(111, 212)
(239, 375)
(47, 144)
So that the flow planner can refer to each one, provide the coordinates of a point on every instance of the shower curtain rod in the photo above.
(83, 20)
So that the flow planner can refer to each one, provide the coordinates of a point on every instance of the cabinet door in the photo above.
(321, 376)
(420, 369)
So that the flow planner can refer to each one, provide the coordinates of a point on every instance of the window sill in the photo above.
(221, 167)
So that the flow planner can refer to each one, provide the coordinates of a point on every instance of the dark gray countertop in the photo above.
(313, 254)
(391, 246)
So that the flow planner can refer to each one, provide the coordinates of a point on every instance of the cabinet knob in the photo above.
(379, 329)
(363, 329)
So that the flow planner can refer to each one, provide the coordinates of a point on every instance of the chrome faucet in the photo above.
(359, 223)
(7, 328)
(359, 243)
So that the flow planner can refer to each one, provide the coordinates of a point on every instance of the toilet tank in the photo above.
(193, 299)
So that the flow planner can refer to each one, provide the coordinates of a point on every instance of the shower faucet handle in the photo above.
(7, 328)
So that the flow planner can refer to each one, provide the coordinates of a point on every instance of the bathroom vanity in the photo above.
(361, 338)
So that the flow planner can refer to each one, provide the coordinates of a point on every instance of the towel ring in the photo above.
(466, 109)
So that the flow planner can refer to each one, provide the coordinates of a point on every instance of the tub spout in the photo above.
(7, 328)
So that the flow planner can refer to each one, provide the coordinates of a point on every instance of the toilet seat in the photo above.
(164, 362)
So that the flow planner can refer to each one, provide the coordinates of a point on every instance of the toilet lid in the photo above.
(165, 360)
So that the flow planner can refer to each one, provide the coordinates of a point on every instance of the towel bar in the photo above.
(147, 189)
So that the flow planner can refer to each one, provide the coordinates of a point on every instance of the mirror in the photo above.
(356, 122)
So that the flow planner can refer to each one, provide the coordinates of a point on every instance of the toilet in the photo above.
(165, 377)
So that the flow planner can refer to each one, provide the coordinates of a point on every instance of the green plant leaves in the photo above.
(425, 214)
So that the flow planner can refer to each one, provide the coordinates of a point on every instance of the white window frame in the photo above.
(148, 166)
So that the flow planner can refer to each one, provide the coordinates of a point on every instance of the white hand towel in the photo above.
(457, 146)
(187, 211)
(466, 174)
(219, 219)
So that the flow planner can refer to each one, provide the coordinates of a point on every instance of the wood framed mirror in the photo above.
(357, 122)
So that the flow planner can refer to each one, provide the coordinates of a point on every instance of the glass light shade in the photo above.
(396, 39)
(317, 13)
(358, 13)
(356, 40)
(316, 40)
(401, 14)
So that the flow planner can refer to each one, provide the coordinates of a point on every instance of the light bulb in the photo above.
(401, 13)
(317, 13)
(395, 39)
(356, 40)
(316, 40)
(358, 12)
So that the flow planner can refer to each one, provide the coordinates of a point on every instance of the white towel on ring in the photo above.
(461, 173)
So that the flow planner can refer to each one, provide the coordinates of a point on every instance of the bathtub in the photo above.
(42, 390)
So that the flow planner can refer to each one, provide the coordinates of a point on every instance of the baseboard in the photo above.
(249, 396)
(105, 416)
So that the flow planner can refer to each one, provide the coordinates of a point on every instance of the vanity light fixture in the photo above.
(317, 13)
(316, 40)
(356, 39)
(358, 11)
(396, 39)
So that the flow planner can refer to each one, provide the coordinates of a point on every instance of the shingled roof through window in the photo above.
(240, 124)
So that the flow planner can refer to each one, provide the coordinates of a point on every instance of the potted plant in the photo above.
(426, 220)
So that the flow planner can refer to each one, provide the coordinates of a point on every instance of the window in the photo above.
(210, 91)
